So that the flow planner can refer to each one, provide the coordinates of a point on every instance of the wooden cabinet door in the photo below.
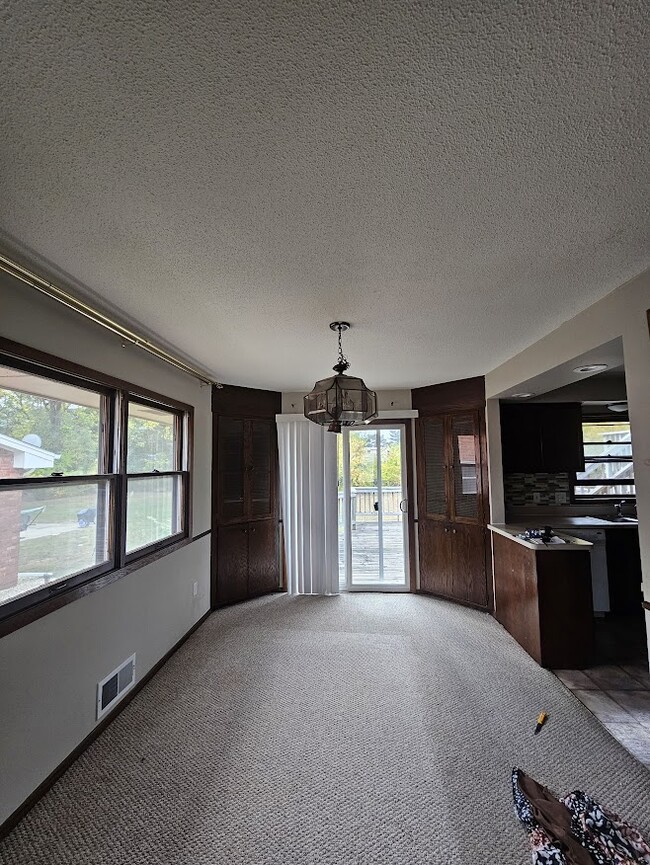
(465, 455)
(521, 438)
(435, 571)
(260, 447)
(231, 505)
(263, 558)
(433, 503)
(232, 563)
(468, 572)
(561, 435)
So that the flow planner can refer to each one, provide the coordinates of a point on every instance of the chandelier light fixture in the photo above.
(340, 400)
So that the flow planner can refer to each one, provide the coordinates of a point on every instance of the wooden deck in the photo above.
(365, 555)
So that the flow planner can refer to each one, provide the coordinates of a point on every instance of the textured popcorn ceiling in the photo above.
(455, 178)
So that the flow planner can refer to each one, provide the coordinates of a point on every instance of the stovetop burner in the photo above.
(541, 536)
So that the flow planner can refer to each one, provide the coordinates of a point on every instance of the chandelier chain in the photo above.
(342, 357)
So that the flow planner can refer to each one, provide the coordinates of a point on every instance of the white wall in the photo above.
(49, 669)
(623, 313)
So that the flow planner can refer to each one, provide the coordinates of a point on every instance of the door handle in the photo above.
(404, 506)
(245, 531)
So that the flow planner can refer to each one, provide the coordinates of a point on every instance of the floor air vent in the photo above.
(111, 689)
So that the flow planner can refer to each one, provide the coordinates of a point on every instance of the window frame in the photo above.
(181, 472)
(578, 482)
(115, 395)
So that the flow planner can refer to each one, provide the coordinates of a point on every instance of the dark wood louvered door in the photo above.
(432, 505)
(246, 558)
(452, 503)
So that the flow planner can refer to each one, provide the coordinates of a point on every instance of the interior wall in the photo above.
(49, 669)
(623, 313)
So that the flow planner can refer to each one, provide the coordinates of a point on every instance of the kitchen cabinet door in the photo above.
(561, 437)
(542, 437)
(521, 441)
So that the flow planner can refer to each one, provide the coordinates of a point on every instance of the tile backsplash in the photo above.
(522, 490)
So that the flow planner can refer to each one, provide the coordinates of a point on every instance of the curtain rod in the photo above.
(55, 292)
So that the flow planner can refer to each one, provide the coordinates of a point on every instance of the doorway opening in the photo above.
(373, 507)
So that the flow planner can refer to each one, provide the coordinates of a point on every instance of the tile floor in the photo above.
(619, 696)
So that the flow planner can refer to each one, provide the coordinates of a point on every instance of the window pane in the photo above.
(47, 426)
(151, 441)
(623, 471)
(607, 439)
(152, 510)
(50, 533)
(465, 479)
(606, 490)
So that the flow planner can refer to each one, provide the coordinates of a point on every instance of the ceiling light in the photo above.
(521, 395)
(340, 400)
(617, 406)
(591, 367)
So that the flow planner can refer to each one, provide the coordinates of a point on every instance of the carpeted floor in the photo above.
(353, 729)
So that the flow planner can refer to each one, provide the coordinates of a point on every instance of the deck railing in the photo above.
(363, 500)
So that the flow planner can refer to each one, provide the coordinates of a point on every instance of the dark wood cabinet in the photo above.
(246, 557)
(624, 570)
(542, 437)
(247, 560)
(543, 598)
(245, 470)
(232, 563)
(452, 495)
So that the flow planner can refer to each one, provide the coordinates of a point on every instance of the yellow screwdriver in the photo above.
(541, 720)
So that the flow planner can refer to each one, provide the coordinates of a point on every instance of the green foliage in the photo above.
(64, 428)
(363, 460)
(73, 431)
(151, 446)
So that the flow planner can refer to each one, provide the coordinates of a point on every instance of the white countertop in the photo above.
(511, 531)
(587, 523)
(568, 522)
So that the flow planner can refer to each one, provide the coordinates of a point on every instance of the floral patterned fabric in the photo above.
(601, 835)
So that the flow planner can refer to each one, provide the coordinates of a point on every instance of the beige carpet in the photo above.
(355, 729)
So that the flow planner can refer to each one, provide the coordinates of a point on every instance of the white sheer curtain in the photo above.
(309, 494)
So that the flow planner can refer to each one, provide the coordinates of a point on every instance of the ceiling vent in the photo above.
(113, 687)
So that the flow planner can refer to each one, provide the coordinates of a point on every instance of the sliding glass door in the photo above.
(373, 527)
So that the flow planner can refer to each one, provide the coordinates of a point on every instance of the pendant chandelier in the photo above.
(340, 400)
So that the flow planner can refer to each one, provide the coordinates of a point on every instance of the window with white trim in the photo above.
(609, 470)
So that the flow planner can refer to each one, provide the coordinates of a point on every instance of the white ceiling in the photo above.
(455, 178)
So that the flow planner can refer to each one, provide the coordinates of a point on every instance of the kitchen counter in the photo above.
(587, 523)
(511, 531)
(544, 600)
(561, 521)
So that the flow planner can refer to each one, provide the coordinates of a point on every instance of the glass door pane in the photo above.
(372, 504)
(367, 554)
(464, 442)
